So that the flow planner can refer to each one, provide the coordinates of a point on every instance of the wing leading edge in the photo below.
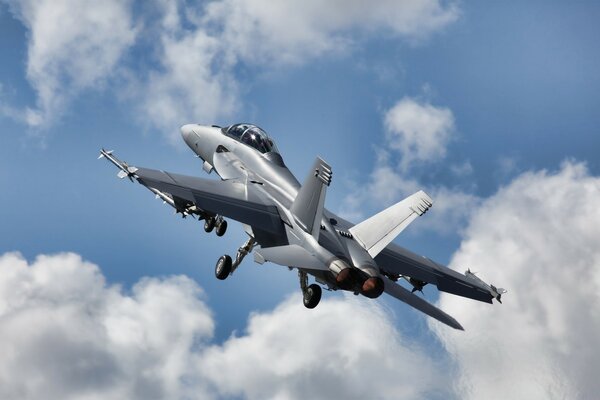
(231, 198)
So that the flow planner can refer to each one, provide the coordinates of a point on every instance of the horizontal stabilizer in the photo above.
(308, 205)
(378, 231)
(420, 304)
(290, 255)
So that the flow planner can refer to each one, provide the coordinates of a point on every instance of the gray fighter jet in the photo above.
(287, 223)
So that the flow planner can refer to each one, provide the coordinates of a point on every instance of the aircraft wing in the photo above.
(233, 199)
(396, 261)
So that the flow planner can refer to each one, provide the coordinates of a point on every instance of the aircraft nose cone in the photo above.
(187, 133)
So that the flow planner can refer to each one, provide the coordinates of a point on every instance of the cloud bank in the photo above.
(538, 237)
(66, 334)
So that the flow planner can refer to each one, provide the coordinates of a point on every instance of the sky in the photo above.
(490, 107)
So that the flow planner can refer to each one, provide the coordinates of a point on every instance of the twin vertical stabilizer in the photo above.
(308, 205)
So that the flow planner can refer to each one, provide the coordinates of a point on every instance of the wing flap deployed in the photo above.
(420, 304)
(375, 233)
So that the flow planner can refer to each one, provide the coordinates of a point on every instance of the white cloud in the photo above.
(264, 32)
(192, 85)
(72, 45)
(345, 348)
(419, 131)
(417, 134)
(538, 237)
(463, 169)
(66, 334)
(200, 47)
(195, 49)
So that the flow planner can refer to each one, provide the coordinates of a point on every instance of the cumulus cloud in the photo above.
(192, 85)
(195, 49)
(538, 237)
(345, 348)
(201, 46)
(418, 130)
(72, 45)
(417, 134)
(66, 334)
(263, 32)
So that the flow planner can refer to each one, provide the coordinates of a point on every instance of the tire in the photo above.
(223, 267)
(209, 224)
(221, 228)
(312, 296)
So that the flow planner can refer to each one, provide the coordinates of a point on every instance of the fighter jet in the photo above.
(287, 222)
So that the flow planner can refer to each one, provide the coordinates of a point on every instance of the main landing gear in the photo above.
(217, 222)
(311, 294)
(225, 266)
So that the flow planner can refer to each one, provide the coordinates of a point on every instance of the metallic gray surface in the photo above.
(290, 226)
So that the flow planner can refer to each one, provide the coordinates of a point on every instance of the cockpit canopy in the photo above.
(251, 135)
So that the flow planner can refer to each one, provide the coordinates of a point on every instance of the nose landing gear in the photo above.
(311, 294)
(225, 266)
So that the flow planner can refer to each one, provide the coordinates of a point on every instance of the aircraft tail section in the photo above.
(375, 233)
(420, 304)
(308, 205)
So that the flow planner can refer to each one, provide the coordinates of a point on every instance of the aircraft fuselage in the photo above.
(348, 266)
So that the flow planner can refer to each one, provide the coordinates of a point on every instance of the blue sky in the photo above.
(517, 83)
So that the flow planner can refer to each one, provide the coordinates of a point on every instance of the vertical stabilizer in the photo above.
(308, 205)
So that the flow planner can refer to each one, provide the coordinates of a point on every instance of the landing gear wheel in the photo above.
(312, 296)
(221, 228)
(223, 267)
(209, 224)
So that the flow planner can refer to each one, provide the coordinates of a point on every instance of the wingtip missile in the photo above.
(498, 292)
(493, 290)
(104, 153)
(125, 170)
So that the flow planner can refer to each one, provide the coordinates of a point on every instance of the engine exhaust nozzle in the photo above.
(372, 287)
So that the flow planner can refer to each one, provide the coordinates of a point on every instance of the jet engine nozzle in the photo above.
(344, 275)
(365, 281)
(372, 287)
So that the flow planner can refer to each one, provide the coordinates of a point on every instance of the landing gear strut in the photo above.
(225, 266)
(311, 294)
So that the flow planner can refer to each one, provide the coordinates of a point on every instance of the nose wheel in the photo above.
(225, 266)
(311, 294)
